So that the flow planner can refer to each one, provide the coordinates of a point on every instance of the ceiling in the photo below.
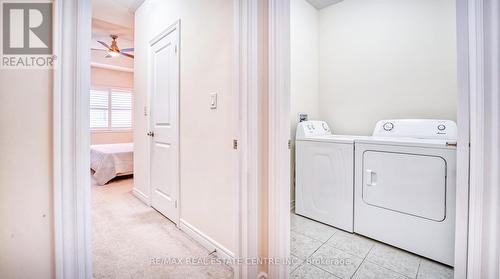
(113, 17)
(131, 4)
(320, 4)
(101, 30)
(119, 12)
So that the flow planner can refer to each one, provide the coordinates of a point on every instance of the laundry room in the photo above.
(373, 114)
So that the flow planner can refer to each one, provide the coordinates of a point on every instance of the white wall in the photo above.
(386, 59)
(304, 64)
(207, 198)
(304, 69)
(26, 212)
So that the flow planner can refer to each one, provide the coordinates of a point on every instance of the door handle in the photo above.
(371, 178)
(151, 134)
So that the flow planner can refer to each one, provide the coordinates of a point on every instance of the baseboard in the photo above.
(210, 244)
(262, 275)
(141, 196)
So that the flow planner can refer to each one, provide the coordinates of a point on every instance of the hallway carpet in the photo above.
(132, 240)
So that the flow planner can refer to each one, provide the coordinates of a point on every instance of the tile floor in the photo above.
(320, 251)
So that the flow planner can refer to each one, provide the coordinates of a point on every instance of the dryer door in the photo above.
(406, 183)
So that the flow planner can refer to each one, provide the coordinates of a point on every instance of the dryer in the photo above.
(405, 178)
(324, 175)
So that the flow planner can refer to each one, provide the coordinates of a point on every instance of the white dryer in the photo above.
(324, 175)
(405, 186)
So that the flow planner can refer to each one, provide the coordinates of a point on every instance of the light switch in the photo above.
(213, 100)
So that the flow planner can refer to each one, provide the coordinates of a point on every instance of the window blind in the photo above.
(110, 109)
(99, 113)
(121, 109)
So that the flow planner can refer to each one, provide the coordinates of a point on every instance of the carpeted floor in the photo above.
(132, 240)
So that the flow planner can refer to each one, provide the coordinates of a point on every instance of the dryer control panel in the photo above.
(416, 128)
(312, 128)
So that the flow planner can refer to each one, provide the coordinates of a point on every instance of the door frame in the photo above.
(175, 26)
(471, 125)
(71, 138)
(71, 180)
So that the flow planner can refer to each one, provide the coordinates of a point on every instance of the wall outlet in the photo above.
(213, 100)
(303, 117)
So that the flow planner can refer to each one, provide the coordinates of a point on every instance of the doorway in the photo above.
(280, 23)
(213, 152)
(371, 68)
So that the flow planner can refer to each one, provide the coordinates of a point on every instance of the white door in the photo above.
(164, 116)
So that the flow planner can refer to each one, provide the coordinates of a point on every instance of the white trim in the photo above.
(205, 241)
(71, 139)
(246, 132)
(462, 185)
(484, 199)
(141, 196)
(476, 82)
(111, 67)
(174, 26)
(279, 136)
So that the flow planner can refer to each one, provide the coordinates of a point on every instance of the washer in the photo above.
(324, 175)
(405, 178)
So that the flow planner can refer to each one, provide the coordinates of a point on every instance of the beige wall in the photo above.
(207, 198)
(26, 213)
(111, 78)
(384, 59)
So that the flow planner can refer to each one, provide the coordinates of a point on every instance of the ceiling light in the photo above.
(113, 53)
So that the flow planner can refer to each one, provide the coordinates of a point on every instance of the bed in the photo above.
(111, 160)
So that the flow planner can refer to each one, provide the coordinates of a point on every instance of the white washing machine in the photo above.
(405, 186)
(324, 175)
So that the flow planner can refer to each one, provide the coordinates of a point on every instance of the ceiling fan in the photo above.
(114, 50)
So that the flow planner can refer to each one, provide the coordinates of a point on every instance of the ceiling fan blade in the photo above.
(99, 49)
(126, 54)
(108, 56)
(127, 49)
(104, 44)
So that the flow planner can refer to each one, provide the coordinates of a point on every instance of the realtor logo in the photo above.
(26, 35)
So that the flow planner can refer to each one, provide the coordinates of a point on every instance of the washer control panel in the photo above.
(416, 128)
(312, 128)
(388, 126)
